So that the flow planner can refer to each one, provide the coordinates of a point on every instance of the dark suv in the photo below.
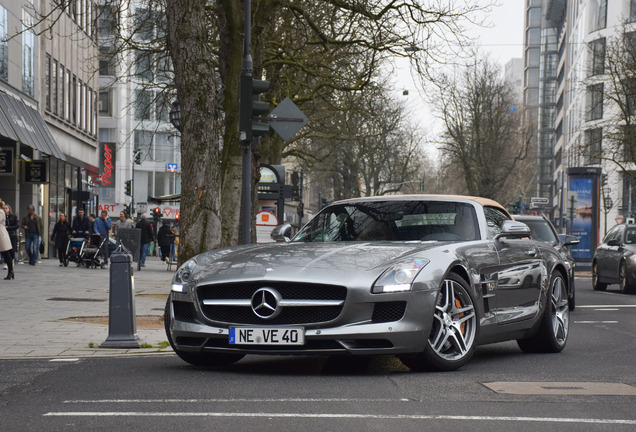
(542, 229)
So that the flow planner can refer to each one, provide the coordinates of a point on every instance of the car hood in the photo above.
(305, 260)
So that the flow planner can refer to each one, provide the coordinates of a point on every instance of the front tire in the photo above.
(451, 342)
(623, 279)
(555, 322)
(596, 285)
(205, 359)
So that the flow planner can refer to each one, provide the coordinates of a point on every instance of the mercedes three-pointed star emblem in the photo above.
(266, 303)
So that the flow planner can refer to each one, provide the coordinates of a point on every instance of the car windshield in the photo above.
(540, 230)
(392, 221)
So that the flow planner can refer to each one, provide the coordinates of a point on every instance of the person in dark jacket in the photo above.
(81, 225)
(146, 237)
(13, 225)
(61, 233)
(164, 238)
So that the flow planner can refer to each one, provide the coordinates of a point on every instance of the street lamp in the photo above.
(175, 115)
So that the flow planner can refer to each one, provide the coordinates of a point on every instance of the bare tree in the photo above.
(484, 142)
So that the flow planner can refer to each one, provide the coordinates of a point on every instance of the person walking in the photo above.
(5, 244)
(13, 225)
(122, 222)
(146, 237)
(102, 226)
(61, 233)
(164, 240)
(32, 225)
(81, 225)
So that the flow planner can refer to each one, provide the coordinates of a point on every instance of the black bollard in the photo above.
(122, 321)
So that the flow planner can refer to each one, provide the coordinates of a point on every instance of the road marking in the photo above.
(596, 322)
(231, 400)
(64, 360)
(562, 388)
(604, 306)
(347, 416)
(607, 309)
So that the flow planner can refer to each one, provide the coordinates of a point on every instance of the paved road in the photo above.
(38, 307)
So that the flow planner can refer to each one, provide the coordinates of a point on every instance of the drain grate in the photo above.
(75, 299)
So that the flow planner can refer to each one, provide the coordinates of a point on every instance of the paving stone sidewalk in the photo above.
(38, 307)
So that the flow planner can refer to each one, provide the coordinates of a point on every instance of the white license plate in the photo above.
(267, 336)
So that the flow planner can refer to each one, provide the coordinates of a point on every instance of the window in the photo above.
(143, 143)
(47, 82)
(532, 57)
(143, 65)
(54, 92)
(547, 116)
(144, 24)
(163, 107)
(592, 149)
(532, 77)
(164, 147)
(143, 105)
(106, 22)
(106, 63)
(548, 91)
(69, 94)
(4, 45)
(632, 11)
(28, 40)
(597, 49)
(533, 37)
(595, 102)
(548, 65)
(62, 87)
(628, 139)
(534, 17)
(629, 191)
(74, 95)
(106, 103)
(598, 14)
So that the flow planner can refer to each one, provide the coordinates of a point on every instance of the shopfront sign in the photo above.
(6, 161)
(107, 159)
(36, 171)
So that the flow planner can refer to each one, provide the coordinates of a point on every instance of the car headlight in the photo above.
(183, 275)
(399, 277)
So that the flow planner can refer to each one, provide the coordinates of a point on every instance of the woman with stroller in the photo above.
(60, 236)
(5, 244)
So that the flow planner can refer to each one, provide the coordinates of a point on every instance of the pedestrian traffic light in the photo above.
(251, 108)
(128, 188)
(604, 179)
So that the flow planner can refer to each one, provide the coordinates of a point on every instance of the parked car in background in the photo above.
(542, 229)
(424, 277)
(614, 260)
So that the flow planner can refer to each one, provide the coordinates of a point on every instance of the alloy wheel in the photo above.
(560, 311)
(454, 323)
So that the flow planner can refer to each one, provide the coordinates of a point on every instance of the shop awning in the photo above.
(24, 124)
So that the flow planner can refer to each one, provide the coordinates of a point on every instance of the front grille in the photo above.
(388, 311)
(243, 314)
(184, 311)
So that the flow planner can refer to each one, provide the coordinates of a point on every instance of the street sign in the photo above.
(287, 119)
(539, 200)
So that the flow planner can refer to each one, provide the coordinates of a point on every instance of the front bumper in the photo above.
(353, 331)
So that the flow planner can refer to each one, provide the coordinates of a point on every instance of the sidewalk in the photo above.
(38, 307)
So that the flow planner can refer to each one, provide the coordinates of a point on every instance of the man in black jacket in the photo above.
(146, 237)
(81, 225)
(165, 238)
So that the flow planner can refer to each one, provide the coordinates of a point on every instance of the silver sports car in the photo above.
(425, 277)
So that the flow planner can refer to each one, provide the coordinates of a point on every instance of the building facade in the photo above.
(48, 118)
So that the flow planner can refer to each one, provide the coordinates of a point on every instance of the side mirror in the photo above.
(511, 228)
(614, 242)
(282, 233)
(570, 240)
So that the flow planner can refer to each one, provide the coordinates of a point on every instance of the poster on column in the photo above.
(582, 216)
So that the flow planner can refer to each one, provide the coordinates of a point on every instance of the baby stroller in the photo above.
(74, 249)
(89, 256)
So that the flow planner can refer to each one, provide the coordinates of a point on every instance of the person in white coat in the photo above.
(5, 243)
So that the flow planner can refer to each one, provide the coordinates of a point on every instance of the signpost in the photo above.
(287, 119)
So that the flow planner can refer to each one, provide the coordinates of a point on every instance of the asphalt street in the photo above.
(51, 311)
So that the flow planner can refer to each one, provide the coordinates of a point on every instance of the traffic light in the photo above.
(128, 188)
(157, 213)
(176, 216)
(300, 209)
(514, 207)
(127, 209)
(138, 157)
(325, 202)
(604, 179)
(251, 108)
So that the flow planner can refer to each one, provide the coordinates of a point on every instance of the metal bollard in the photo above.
(122, 321)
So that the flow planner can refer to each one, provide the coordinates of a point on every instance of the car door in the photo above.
(608, 254)
(520, 273)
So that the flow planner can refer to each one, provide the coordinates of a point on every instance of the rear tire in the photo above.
(596, 285)
(205, 359)
(451, 343)
(555, 322)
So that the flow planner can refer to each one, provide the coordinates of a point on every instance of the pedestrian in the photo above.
(81, 225)
(32, 225)
(13, 225)
(102, 226)
(146, 237)
(122, 222)
(164, 240)
(91, 222)
(61, 233)
(174, 243)
(5, 244)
